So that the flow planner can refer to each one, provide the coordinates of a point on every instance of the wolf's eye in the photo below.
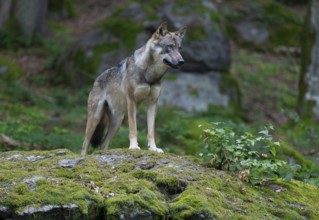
(171, 46)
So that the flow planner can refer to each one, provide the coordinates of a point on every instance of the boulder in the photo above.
(138, 184)
(194, 92)
(264, 25)
(309, 77)
(205, 47)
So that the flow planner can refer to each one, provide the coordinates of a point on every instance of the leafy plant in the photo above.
(253, 157)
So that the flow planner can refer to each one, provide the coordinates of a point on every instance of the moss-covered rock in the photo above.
(264, 24)
(124, 184)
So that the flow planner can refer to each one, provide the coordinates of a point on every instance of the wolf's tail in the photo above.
(98, 133)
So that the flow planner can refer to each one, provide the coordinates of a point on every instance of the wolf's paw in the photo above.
(134, 147)
(83, 153)
(158, 150)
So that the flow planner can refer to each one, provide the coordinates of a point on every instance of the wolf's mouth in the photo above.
(165, 61)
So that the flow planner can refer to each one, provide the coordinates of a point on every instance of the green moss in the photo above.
(284, 25)
(191, 204)
(299, 203)
(83, 70)
(151, 8)
(170, 77)
(276, 13)
(145, 174)
(197, 32)
(64, 7)
(126, 30)
(287, 34)
(21, 189)
(169, 184)
(193, 91)
(142, 202)
(11, 71)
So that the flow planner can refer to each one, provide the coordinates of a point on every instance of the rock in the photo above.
(31, 182)
(309, 78)
(61, 153)
(193, 92)
(113, 160)
(4, 212)
(70, 211)
(33, 158)
(146, 164)
(264, 25)
(205, 47)
(70, 163)
(15, 156)
(253, 31)
(176, 187)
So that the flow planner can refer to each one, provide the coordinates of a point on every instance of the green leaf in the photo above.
(265, 132)
(277, 143)
(273, 151)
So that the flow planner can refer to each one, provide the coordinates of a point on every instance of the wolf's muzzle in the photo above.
(174, 65)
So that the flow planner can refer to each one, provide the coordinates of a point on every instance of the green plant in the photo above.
(253, 157)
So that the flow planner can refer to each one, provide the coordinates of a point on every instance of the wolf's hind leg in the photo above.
(115, 122)
(95, 113)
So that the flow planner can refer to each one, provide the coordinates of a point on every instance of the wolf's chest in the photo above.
(142, 91)
(154, 73)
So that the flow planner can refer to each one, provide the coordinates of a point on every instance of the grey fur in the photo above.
(120, 89)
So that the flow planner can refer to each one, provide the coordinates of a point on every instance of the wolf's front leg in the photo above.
(131, 108)
(151, 114)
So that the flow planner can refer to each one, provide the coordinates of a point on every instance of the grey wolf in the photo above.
(120, 89)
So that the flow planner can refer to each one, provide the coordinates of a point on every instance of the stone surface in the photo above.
(33, 158)
(253, 31)
(70, 163)
(193, 92)
(206, 50)
(51, 212)
(265, 25)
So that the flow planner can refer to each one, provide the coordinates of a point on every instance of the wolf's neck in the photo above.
(142, 57)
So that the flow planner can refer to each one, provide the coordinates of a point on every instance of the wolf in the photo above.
(120, 89)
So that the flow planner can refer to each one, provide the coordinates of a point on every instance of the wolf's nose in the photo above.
(181, 62)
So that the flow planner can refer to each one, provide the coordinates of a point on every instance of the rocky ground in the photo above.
(123, 184)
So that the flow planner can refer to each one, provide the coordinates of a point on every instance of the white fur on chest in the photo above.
(142, 91)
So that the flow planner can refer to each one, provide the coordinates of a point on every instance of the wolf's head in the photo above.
(166, 45)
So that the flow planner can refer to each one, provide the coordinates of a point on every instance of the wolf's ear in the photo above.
(181, 32)
(162, 30)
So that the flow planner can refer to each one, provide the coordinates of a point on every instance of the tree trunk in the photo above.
(29, 17)
(309, 77)
(5, 6)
